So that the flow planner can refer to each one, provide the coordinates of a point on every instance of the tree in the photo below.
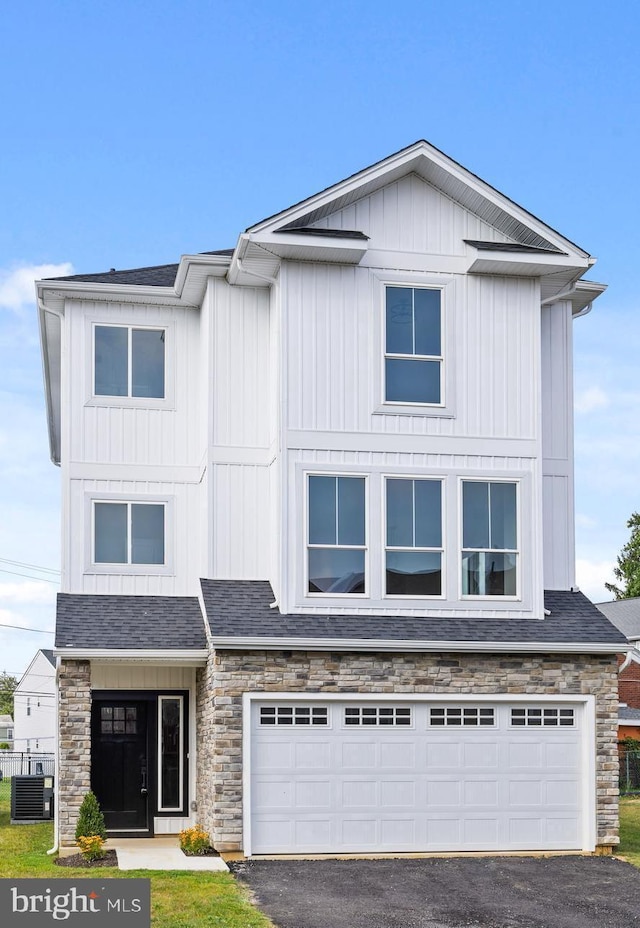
(7, 687)
(90, 819)
(627, 573)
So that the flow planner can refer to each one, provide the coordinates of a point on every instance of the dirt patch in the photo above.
(110, 859)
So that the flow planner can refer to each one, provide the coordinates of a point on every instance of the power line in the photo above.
(44, 631)
(46, 570)
(3, 570)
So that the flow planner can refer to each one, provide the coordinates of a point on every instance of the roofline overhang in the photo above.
(581, 294)
(385, 644)
(185, 656)
(410, 158)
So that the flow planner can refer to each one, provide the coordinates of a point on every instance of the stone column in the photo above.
(74, 732)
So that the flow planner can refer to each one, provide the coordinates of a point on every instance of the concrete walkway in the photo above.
(159, 854)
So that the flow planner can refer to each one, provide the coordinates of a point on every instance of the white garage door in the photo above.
(341, 777)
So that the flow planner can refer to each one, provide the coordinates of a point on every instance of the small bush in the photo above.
(194, 841)
(90, 819)
(91, 847)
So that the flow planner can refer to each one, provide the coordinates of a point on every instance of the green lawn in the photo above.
(630, 830)
(178, 900)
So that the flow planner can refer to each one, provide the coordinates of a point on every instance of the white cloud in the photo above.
(590, 399)
(16, 285)
(591, 577)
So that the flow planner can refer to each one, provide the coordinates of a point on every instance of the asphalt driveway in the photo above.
(492, 892)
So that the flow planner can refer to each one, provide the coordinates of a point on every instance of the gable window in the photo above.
(128, 533)
(489, 538)
(414, 537)
(336, 545)
(413, 345)
(129, 362)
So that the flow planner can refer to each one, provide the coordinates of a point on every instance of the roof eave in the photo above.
(379, 644)
(184, 656)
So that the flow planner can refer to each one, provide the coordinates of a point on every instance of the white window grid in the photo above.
(128, 504)
(542, 717)
(414, 547)
(487, 552)
(462, 716)
(294, 715)
(378, 715)
(413, 356)
(336, 546)
(130, 329)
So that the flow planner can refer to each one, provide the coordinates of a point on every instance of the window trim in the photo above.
(91, 567)
(417, 281)
(135, 402)
(441, 550)
(467, 597)
(392, 355)
(308, 594)
(181, 755)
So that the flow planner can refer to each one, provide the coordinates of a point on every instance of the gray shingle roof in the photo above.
(125, 622)
(630, 715)
(48, 653)
(241, 608)
(323, 233)
(160, 275)
(625, 615)
(512, 246)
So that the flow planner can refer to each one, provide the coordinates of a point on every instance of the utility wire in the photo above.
(46, 570)
(45, 631)
(3, 570)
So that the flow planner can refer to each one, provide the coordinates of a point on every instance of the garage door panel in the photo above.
(373, 786)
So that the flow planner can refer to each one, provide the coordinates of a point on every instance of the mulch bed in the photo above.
(110, 859)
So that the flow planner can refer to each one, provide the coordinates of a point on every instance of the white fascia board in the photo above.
(123, 293)
(410, 158)
(300, 247)
(131, 655)
(581, 295)
(632, 722)
(50, 325)
(374, 644)
(533, 264)
(214, 265)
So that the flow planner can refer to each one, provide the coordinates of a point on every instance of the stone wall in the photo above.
(229, 674)
(74, 769)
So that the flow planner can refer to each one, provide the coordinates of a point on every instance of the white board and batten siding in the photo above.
(386, 774)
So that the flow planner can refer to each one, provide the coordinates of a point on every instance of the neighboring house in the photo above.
(625, 615)
(318, 558)
(6, 731)
(34, 706)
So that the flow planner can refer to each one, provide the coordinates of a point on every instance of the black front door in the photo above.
(120, 764)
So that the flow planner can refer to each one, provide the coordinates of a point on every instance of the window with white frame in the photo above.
(489, 538)
(128, 533)
(336, 542)
(170, 753)
(414, 537)
(413, 346)
(129, 362)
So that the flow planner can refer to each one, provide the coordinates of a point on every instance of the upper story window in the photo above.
(128, 533)
(489, 538)
(414, 537)
(413, 346)
(336, 535)
(129, 361)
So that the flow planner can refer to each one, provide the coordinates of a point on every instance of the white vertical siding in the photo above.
(411, 215)
(241, 534)
(557, 446)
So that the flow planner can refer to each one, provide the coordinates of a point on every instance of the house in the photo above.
(318, 558)
(34, 705)
(625, 615)
(6, 732)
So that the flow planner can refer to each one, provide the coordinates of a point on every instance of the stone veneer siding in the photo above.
(74, 768)
(229, 674)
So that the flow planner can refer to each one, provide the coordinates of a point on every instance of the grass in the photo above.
(629, 847)
(178, 899)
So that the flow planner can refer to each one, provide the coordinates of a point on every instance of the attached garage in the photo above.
(381, 774)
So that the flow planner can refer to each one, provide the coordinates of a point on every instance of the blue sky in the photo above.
(138, 131)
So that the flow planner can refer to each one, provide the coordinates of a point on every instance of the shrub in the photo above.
(194, 841)
(90, 819)
(91, 847)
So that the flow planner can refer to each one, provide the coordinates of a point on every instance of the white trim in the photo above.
(182, 656)
(167, 501)
(587, 740)
(178, 808)
(442, 550)
(413, 645)
(476, 597)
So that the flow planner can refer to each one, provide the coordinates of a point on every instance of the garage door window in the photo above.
(462, 716)
(377, 715)
(542, 718)
(293, 715)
